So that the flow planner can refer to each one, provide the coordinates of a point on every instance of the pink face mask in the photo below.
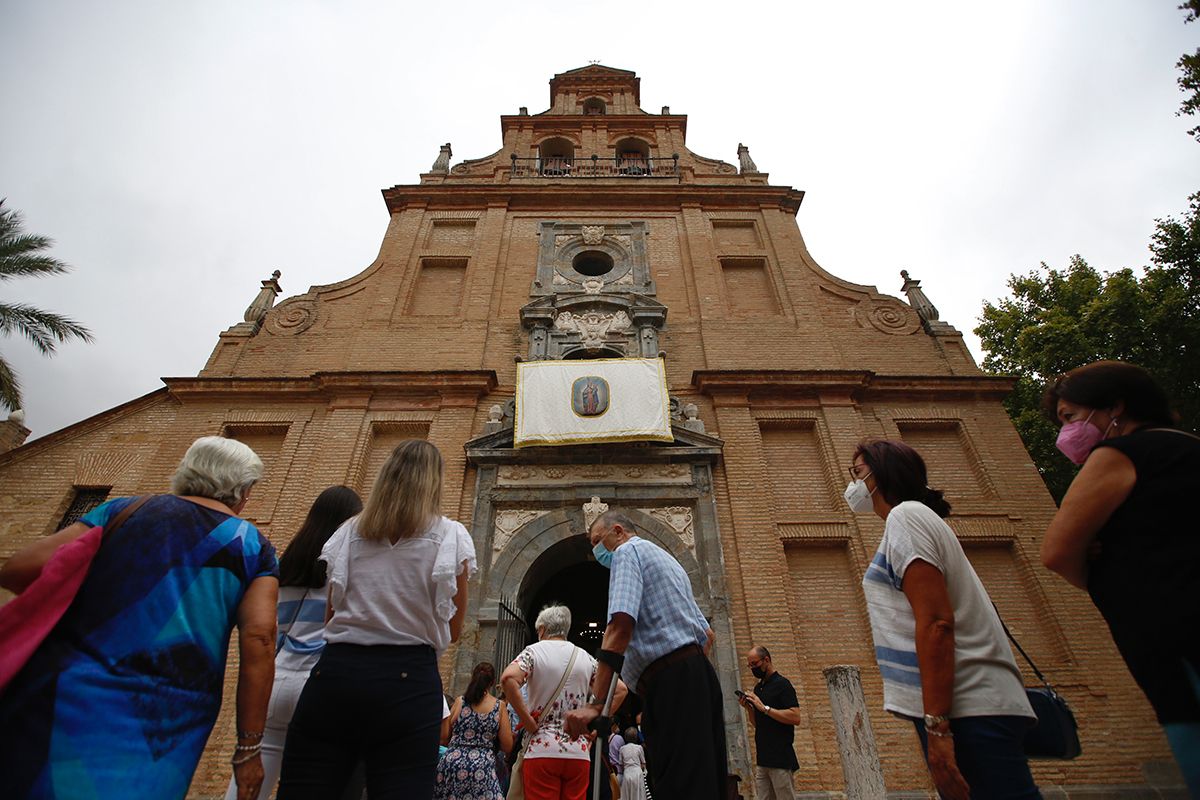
(1078, 439)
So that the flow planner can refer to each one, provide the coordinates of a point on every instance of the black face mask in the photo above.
(758, 672)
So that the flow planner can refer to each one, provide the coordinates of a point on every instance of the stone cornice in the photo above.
(84, 426)
(453, 387)
(744, 383)
(589, 194)
(613, 122)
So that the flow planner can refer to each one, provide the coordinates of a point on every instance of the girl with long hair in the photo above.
(301, 616)
(397, 597)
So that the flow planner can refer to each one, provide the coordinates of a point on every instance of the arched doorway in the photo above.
(567, 575)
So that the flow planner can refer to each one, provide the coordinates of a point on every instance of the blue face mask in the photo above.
(603, 555)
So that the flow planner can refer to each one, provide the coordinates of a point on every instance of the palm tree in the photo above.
(21, 257)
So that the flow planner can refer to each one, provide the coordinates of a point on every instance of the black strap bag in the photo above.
(1056, 734)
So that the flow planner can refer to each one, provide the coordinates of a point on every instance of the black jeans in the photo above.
(685, 731)
(382, 704)
(990, 756)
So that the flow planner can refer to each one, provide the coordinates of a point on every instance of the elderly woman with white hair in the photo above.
(557, 676)
(120, 698)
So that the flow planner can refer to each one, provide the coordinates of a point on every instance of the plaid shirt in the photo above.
(650, 586)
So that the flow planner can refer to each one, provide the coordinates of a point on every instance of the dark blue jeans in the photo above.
(990, 756)
(380, 704)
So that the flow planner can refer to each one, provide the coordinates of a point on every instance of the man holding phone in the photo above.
(774, 714)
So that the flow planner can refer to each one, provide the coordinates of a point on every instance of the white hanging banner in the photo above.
(601, 400)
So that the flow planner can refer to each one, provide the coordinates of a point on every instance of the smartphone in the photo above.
(740, 694)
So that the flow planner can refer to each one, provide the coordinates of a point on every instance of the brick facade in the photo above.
(788, 365)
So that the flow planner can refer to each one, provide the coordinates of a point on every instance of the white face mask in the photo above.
(858, 497)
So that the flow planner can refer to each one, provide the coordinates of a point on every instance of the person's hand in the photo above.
(576, 722)
(529, 724)
(753, 700)
(944, 769)
(249, 777)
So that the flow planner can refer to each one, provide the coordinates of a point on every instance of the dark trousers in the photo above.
(685, 731)
(990, 756)
(381, 704)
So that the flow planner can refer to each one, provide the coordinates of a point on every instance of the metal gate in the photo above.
(512, 633)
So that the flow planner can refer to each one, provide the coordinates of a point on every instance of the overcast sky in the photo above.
(180, 152)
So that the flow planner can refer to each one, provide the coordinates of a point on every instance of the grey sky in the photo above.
(180, 152)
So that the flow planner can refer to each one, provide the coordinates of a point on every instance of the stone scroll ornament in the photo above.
(593, 234)
(509, 521)
(291, 317)
(889, 316)
(678, 519)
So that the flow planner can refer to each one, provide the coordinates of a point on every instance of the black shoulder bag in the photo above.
(1056, 734)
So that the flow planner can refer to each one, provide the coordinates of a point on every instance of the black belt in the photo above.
(674, 657)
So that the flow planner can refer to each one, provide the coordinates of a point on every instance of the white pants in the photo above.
(284, 694)
(773, 784)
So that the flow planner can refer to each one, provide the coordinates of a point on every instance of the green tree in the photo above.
(1189, 66)
(22, 256)
(1056, 320)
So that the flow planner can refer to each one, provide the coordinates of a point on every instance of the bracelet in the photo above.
(939, 734)
(257, 746)
(253, 754)
(256, 735)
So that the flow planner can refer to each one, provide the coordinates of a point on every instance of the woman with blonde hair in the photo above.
(397, 578)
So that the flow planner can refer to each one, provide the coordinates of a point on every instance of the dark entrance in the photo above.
(583, 588)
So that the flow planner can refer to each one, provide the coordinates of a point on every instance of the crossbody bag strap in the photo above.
(124, 514)
(1021, 650)
(1176, 430)
(562, 683)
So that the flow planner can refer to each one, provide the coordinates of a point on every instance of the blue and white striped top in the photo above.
(304, 638)
(986, 679)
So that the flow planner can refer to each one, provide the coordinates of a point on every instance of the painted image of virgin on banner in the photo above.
(589, 396)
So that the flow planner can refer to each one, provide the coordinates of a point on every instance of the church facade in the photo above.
(594, 232)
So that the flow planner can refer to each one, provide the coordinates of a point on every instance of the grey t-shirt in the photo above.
(986, 679)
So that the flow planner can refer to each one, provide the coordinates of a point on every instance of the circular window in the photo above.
(592, 263)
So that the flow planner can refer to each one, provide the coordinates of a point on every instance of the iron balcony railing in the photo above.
(595, 167)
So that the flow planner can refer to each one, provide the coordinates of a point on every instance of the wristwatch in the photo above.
(933, 720)
(766, 709)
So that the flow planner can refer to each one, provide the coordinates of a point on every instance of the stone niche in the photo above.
(592, 296)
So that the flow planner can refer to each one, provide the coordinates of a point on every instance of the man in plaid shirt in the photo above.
(659, 641)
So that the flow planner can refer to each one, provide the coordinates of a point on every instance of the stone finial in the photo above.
(264, 302)
(745, 162)
(691, 418)
(495, 420)
(666, 111)
(442, 164)
(917, 299)
(523, 111)
(13, 432)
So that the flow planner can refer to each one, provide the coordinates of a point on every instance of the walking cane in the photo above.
(602, 734)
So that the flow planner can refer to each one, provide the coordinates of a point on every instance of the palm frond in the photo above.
(44, 329)
(20, 252)
(10, 387)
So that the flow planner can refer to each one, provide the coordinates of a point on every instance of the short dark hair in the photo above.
(614, 516)
(761, 651)
(900, 474)
(298, 566)
(1103, 384)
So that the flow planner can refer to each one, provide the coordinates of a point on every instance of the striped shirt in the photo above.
(986, 679)
(650, 586)
(301, 636)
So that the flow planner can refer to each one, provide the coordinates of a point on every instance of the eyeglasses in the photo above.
(857, 472)
(754, 664)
